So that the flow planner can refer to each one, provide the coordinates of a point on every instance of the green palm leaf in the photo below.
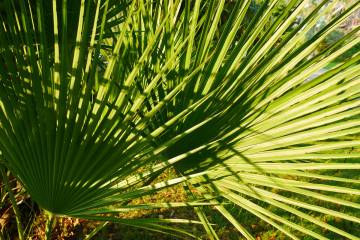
(99, 98)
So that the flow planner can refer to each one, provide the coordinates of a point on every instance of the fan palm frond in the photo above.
(99, 98)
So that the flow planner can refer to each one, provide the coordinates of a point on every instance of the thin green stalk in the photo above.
(13, 203)
(95, 231)
(49, 223)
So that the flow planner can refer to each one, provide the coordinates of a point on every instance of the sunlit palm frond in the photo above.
(99, 99)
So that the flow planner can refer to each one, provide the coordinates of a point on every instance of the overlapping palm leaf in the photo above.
(94, 109)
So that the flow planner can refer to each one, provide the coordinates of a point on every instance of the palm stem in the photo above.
(49, 224)
(95, 231)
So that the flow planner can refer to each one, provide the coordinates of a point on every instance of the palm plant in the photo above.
(100, 98)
